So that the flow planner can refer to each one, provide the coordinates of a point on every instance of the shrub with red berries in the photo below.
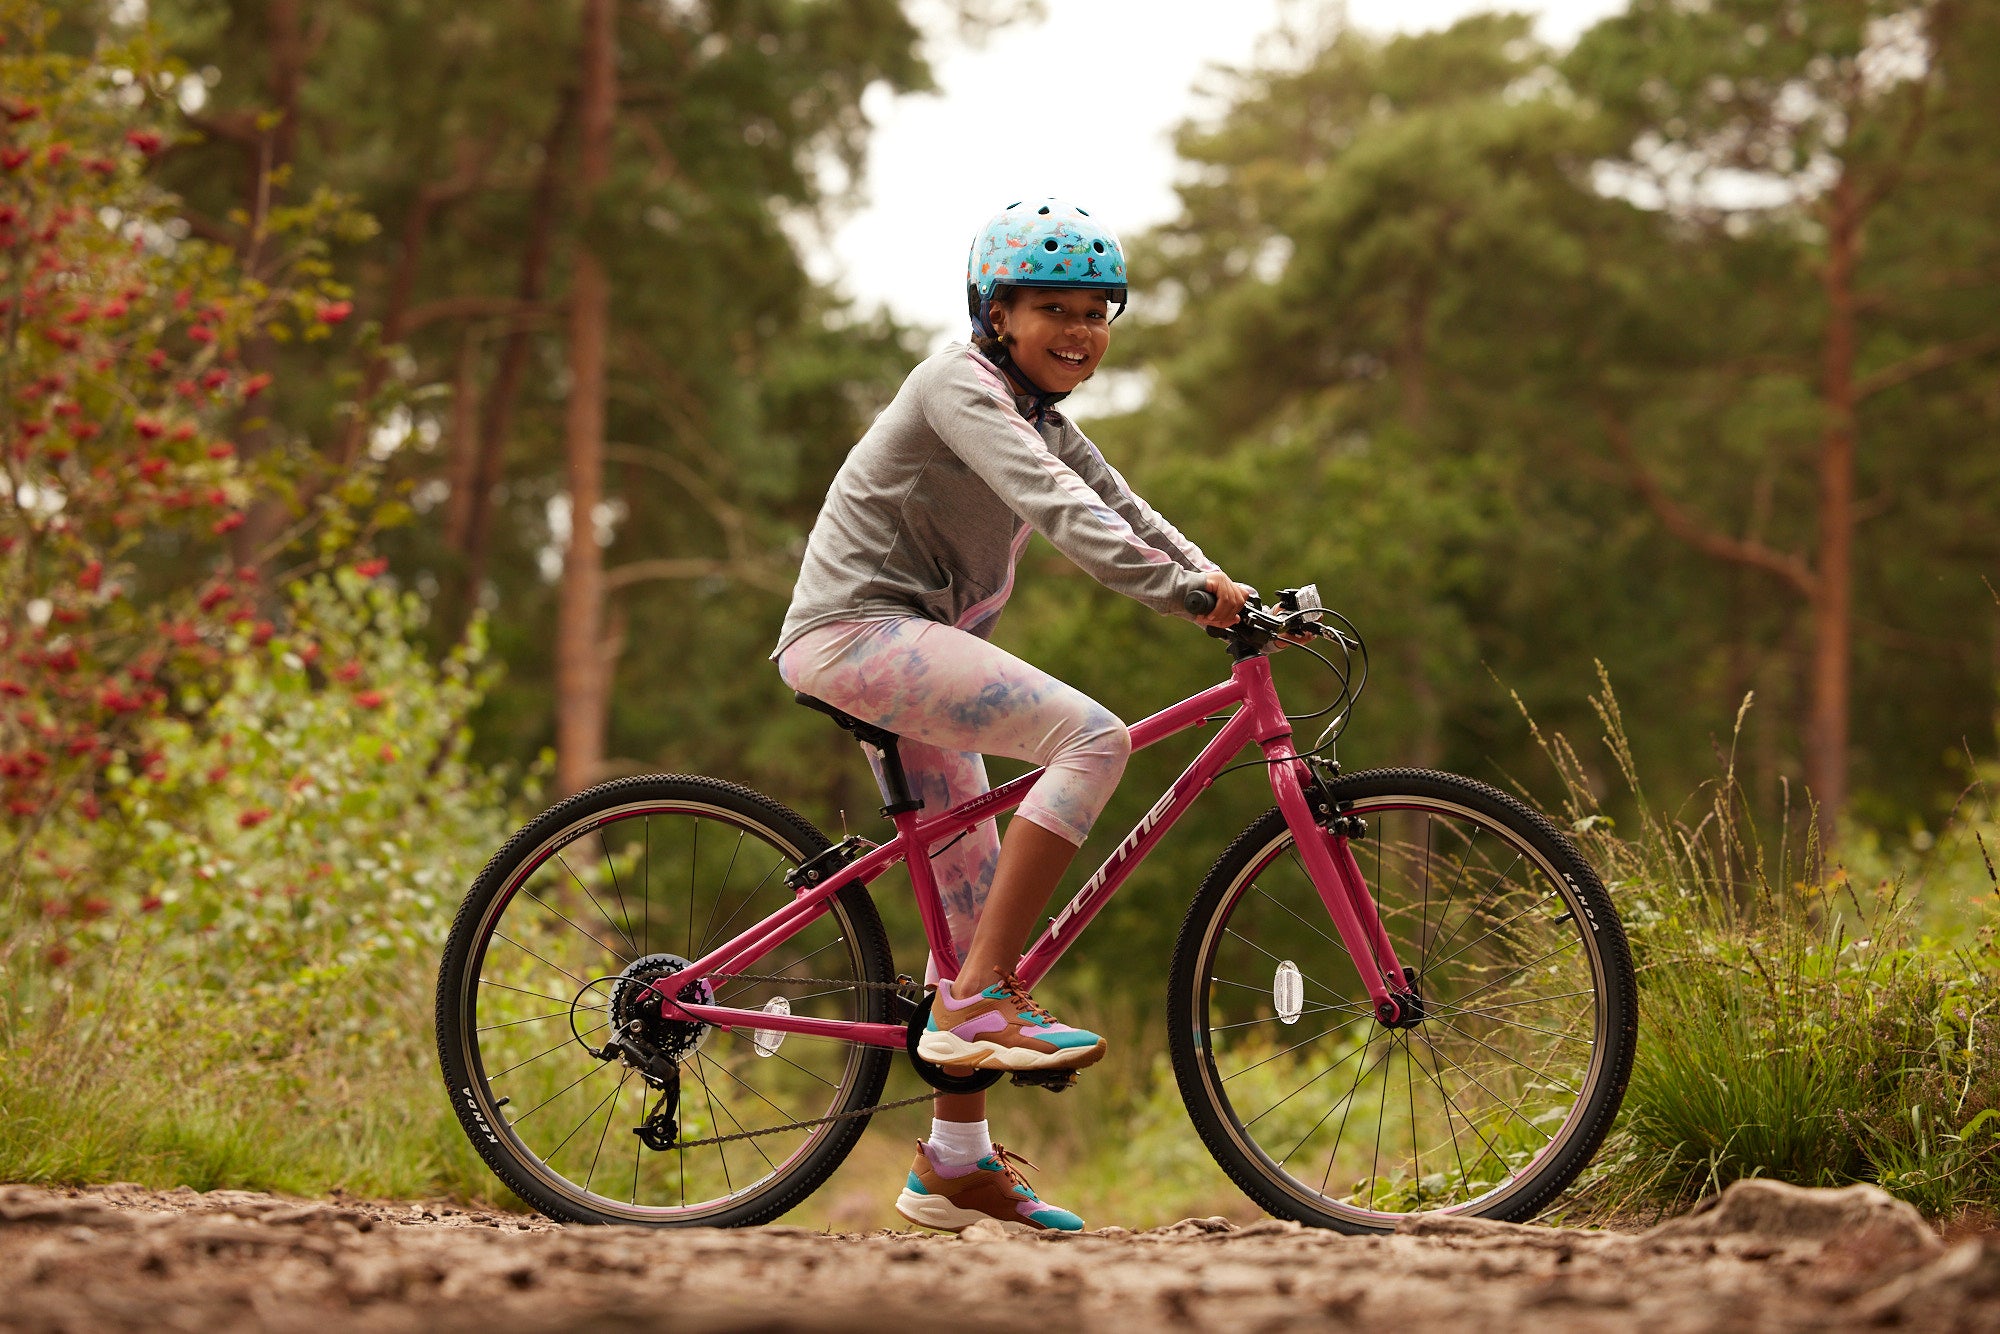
(121, 378)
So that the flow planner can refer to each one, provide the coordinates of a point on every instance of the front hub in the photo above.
(1404, 1008)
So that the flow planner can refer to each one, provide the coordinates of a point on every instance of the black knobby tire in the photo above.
(1492, 1103)
(531, 976)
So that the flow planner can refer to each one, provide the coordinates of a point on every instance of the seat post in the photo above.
(895, 783)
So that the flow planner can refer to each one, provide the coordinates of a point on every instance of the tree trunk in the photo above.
(462, 457)
(582, 673)
(1833, 600)
(271, 154)
(472, 539)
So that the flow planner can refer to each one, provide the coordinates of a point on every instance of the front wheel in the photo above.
(1489, 1105)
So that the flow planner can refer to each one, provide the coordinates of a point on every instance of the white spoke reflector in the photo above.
(765, 1041)
(1288, 992)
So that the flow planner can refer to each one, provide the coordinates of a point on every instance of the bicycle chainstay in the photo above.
(897, 986)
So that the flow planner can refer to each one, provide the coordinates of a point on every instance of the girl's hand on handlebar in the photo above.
(1230, 598)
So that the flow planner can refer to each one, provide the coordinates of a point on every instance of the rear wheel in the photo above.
(599, 898)
(1492, 1102)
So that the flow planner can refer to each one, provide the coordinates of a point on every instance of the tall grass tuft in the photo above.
(1796, 1022)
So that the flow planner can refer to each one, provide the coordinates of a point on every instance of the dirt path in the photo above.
(1766, 1257)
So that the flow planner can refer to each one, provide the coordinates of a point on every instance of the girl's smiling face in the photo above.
(1057, 335)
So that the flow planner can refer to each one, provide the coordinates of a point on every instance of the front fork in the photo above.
(1337, 877)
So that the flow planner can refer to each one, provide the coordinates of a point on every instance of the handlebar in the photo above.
(1296, 614)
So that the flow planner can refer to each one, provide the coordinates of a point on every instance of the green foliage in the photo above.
(245, 940)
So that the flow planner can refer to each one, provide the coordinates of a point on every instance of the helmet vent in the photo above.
(1084, 211)
(1043, 210)
(1099, 245)
(1050, 244)
(1015, 204)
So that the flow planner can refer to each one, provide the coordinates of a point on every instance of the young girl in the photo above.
(909, 563)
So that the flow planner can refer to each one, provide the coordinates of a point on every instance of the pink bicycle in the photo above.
(1396, 992)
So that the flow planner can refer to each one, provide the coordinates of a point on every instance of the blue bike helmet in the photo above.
(1041, 243)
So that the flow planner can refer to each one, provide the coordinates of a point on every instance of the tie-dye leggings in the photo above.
(951, 697)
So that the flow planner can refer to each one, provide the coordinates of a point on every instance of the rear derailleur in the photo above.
(661, 1128)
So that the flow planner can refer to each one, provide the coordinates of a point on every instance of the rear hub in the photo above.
(639, 1027)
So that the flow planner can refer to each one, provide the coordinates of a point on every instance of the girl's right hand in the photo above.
(1230, 598)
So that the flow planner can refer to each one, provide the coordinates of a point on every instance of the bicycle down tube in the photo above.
(1259, 718)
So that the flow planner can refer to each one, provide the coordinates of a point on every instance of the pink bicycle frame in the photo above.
(1259, 718)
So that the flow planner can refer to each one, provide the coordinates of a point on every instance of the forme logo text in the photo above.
(1111, 863)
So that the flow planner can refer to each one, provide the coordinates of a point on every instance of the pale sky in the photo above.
(999, 129)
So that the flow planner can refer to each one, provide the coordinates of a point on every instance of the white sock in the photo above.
(960, 1143)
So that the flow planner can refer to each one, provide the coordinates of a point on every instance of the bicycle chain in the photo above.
(803, 1125)
(813, 981)
(822, 1120)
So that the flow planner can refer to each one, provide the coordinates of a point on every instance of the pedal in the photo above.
(1055, 1081)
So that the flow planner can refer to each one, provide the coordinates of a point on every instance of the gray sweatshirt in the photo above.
(929, 512)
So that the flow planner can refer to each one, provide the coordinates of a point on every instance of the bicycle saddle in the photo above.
(880, 738)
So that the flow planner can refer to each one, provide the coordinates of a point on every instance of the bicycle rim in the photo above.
(621, 895)
(1491, 1103)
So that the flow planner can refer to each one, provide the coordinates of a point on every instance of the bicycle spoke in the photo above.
(708, 1096)
(722, 890)
(1498, 1101)
(557, 1000)
(622, 958)
(1484, 899)
(596, 1069)
(1275, 959)
(1286, 1052)
(608, 1117)
(1515, 1004)
(546, 1052)
(1274, 1019)
(1496, 929)
(755, 889)
(1410, 1085)
(1437, 1059)
(511, 1023)
(1515, 1023)
(1309, 1083)
(1446, 1104)
(624, 913)
(582, 982)
(1424, 937)
(1569, 944)
(734, 1120)
(587, 894)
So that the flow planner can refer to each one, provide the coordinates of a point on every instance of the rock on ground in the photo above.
(1762, 1256)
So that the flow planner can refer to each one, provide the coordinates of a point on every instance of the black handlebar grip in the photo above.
(1199, 602)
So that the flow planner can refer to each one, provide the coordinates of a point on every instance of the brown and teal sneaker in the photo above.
(1002, 1028)
(952, 1199)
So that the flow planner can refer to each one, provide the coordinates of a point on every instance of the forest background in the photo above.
(413, 411)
